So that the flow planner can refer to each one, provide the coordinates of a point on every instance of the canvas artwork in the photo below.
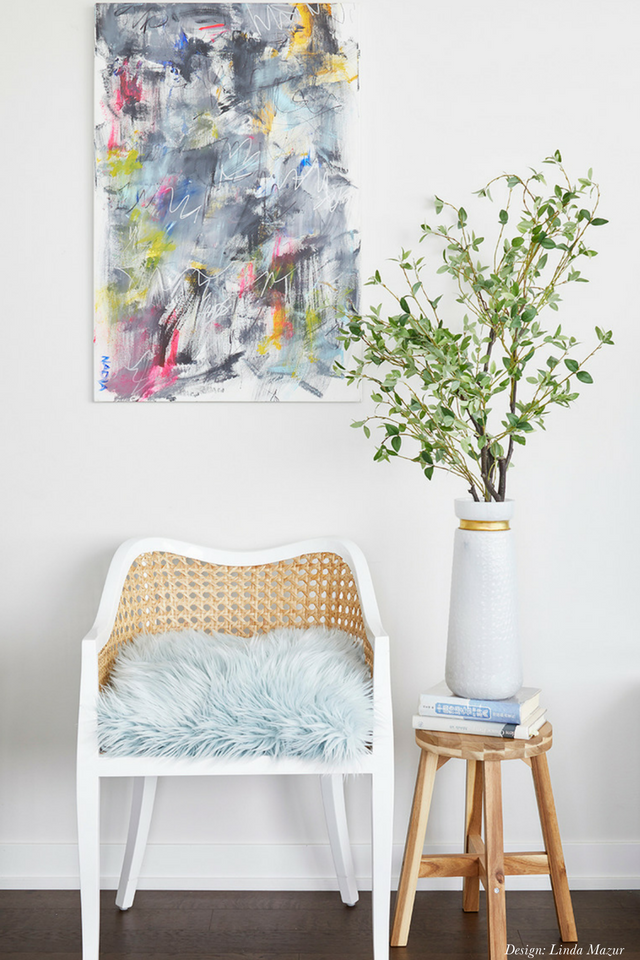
(226, 251)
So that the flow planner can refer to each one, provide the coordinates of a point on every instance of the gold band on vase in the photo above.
(487, 525)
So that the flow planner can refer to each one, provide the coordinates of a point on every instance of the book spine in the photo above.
(507, 731)
(470, 709)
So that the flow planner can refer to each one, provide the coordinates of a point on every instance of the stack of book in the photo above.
(518, 718)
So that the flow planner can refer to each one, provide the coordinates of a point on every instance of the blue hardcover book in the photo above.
(438, 701)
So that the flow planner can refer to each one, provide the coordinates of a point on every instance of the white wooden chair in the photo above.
(155, 585)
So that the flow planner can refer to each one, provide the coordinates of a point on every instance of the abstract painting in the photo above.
(226, 248)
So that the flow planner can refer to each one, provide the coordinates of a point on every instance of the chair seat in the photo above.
(288, 693)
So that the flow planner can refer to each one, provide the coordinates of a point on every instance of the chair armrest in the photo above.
(382, 707)
(368, 602)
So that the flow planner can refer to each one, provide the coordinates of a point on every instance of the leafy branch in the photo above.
(453, 397)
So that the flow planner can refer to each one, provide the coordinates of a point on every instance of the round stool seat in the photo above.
(466, 746)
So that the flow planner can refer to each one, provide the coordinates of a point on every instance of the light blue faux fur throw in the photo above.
(288, 693)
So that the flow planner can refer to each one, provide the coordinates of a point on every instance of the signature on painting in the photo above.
(104, 373)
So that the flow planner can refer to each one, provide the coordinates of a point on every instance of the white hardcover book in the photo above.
(484, 728)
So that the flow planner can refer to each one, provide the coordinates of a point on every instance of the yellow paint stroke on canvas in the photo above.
(302, 32)
(265, 118)
(157, 245)
(123, 162)
(148, 240)
(280, 327)
(312, 321)
(203, 131)
(336, 69)
(115, 303)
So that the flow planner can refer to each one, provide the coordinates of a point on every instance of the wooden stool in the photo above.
(483, 860)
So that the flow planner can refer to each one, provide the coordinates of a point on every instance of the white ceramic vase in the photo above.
(483, 647)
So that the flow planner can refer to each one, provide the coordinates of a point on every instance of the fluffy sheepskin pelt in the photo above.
(288, 693)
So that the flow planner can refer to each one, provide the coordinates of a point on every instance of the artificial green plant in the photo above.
(459, 396)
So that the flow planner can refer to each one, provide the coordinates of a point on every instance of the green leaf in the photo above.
(604, 336)
(438, 205)
(572, 365)
(396, 443)
(598, 222)
(584, 377)
(366, 431)
(404, 305)
(503, 216)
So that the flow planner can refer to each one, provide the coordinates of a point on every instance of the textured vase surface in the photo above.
(483, 646)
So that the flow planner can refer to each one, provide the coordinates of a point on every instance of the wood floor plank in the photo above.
(290, 925)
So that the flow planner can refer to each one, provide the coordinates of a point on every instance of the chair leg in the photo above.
(413, 848)
(553, 846)
(144, 792)
(332, 787)
(381, 850)
(88, 799)
(473, 825)
(494, 861)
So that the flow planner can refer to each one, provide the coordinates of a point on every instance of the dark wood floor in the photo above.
(45, 925)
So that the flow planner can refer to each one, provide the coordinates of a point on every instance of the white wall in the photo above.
(453, 93)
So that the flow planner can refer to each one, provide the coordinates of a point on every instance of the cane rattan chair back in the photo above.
(166, 591)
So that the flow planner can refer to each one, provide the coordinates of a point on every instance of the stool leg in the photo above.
(494, 861)
(553, 846)
(473, 825)
(413, 848)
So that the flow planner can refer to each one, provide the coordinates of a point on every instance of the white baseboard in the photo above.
(54, 866)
